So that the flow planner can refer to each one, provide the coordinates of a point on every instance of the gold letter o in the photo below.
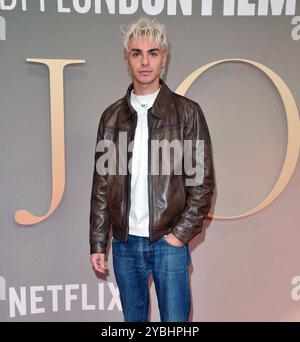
(293, 130)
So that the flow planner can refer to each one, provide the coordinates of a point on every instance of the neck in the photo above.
(145, 89)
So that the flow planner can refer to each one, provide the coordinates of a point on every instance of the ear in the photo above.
(164, 59)
(126, 60)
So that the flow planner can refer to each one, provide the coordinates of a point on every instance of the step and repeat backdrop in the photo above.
(61, 65)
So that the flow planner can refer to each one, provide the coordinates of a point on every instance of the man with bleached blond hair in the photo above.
(152, 215)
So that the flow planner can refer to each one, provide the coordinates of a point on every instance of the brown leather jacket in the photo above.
(173, 206)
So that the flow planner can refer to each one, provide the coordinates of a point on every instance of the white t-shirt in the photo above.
(139, 208)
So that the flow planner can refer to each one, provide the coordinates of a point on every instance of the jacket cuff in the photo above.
(98, 248)
(179, 233)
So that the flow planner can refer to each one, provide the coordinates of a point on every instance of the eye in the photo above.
(135, 54)
(154, 53)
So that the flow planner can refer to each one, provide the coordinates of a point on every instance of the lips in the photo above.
(145, 72)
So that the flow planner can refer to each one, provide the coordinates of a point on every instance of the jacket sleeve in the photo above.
(99, 221)
(199, 196)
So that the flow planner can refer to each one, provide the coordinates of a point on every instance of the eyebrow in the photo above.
(139, 50)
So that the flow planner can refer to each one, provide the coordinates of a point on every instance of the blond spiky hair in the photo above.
(152, 29)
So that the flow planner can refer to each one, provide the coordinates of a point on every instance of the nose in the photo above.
(145, 59)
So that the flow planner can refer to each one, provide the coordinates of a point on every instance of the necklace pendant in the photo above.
(144, 105)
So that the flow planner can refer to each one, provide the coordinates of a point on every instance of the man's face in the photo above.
(145, 59)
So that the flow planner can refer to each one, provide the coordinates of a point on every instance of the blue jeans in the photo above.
(133, 263)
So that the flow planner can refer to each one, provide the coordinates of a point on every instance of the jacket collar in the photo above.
(162, 105)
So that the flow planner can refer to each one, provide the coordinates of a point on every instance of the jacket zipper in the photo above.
(129, 181)
(149, 174)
